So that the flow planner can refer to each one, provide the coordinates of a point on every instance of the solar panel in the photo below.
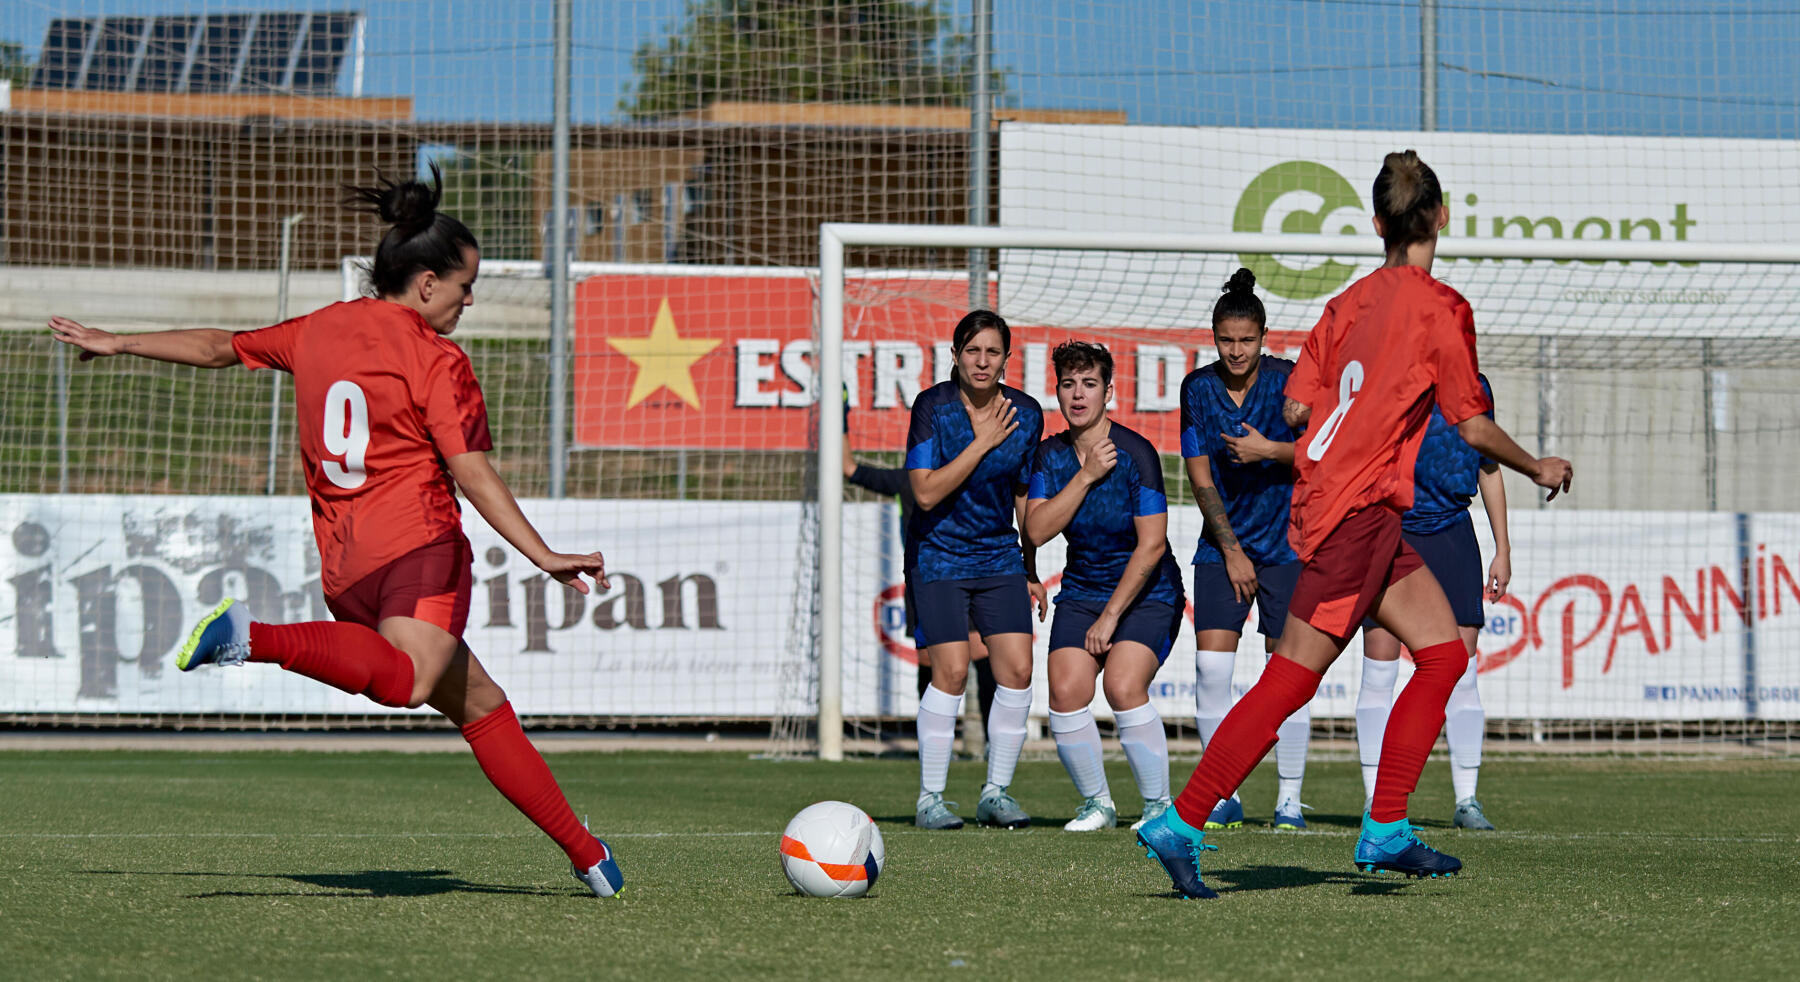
(277, 51)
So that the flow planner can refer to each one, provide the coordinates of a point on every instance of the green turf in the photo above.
(314, 865)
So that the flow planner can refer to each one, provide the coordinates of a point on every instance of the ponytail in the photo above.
(1407, 197)
(419, 238)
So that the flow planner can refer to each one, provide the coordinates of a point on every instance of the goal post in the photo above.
(1609, 312)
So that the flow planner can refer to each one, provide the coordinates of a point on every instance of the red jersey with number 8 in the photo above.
(1385, 350)
(383, 401)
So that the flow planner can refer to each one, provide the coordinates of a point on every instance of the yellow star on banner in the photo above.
(664, 359)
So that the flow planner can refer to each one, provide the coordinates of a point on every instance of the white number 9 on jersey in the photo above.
(346, 434)
(1349, 384)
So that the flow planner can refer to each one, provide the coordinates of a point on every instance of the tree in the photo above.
(889, 52)
(14, 66)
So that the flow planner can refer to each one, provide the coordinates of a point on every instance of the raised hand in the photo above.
(995, 423)
(93, 343)
(1101, 458)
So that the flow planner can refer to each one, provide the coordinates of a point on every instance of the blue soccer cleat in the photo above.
(221, 638)
(1392, 847)
(603, 877)
(1177, 846)
(1288, 817)
(1227, 814)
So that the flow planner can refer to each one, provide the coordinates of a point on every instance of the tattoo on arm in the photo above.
(1212, 508)
(1295, 414)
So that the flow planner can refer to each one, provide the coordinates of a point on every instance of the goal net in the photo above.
(1656, 607)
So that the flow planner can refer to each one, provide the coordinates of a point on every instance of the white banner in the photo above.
(1612, 615)
(1205, 179)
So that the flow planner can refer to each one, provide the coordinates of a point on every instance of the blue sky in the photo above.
(1676, 67)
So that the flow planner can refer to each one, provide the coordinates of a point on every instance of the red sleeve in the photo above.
(1459, 392)
(270, 347)
(1303, 381)
(455, 413)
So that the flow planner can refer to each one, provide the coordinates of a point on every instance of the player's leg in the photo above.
(1414, 608)
(1072, 675)
(1218, 622)
(943, 613)
(1293, 738)
(983, 670)
(1000, 609)
(1374, 700)
(1465, 727)
(1140, 645)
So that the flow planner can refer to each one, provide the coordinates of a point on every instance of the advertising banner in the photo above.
(1588, 188)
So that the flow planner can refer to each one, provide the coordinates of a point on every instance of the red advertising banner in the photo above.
(726, 361)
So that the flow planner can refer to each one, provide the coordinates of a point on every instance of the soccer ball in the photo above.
(832, 849)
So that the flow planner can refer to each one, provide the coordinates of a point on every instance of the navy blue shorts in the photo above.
(1217, 608)
(1148, 622)
(947, 609)
(1454, 557)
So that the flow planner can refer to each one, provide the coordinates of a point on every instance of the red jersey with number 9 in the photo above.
(383, 401)
(1385, 350)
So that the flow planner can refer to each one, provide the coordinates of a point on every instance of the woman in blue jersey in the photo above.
(1100, 486)
(1438, 527)
(968, 452)
(1240, 457)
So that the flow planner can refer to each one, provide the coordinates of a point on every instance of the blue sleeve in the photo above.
(1034, 427)
(1150, 498)
(1190, 418)
(1040, 474)
(921, 436)
(1489, 390)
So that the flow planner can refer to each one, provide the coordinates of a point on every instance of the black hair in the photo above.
(1407, 198)
(420, 239)
(973, 323)
(1240, 300)
(1074, 356)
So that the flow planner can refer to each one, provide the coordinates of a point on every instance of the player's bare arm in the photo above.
(992, 425)
(1047, 517)
(1486, 436)
(1040, 595)
(1493, 501)
(1217, 527)
(485, 489)
(200, 347)
(1296, 415)
(1152, 541)
(1253, 447)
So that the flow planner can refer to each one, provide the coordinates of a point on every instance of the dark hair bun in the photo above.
(409, 204)
(1242, 281)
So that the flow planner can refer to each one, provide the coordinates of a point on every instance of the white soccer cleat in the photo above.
(1094, 814)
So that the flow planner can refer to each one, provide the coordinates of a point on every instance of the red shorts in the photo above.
(431, 583)
(1358, 559)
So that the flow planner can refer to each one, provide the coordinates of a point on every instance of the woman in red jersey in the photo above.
(1386, 350)
(391, 424)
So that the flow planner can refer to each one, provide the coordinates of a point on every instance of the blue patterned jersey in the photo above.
(1256, 495)
(971, 533)
(1444, 477)
(1103, 531)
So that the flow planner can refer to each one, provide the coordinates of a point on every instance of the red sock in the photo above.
(1413, 726)
(518, 771)
(347, 656)
(1245, 736)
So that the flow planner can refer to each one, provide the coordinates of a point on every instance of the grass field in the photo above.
(386, 865)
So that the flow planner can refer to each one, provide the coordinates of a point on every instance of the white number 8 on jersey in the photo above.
(1348, 385)
(346, 434)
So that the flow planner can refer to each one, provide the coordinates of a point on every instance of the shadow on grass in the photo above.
(1244, 879)
(370, 884)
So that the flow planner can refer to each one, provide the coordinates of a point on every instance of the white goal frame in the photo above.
(836, 238)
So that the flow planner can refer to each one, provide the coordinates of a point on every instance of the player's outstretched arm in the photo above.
(200, 347)
(482, 485)
(1486, 436)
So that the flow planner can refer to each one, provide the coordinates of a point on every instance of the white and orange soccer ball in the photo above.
(832, 849)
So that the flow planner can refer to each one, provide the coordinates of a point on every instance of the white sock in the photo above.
(937, 731)
(1291, 740)
(1465, 727)
(1146, 749)
(1212, 690)
(1006, 734)
(1078, 744)
(1373, 702)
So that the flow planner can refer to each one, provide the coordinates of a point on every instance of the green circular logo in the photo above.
(1269, 187)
